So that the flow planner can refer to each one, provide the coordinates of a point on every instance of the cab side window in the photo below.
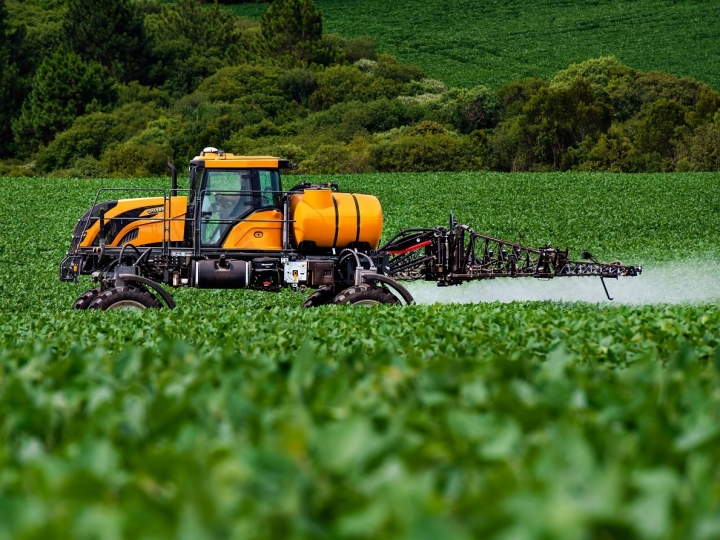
(269, 189)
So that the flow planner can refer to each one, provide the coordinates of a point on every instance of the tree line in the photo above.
(118, 87)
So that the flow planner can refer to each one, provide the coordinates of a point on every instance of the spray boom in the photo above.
(453, 256)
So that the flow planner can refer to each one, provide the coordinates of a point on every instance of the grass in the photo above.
(470, 42)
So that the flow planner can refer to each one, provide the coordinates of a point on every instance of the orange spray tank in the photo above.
(335, 220)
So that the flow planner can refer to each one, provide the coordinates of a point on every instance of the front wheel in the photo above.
(365, 295)
(320, 297)
(126, 297)
(86, 298)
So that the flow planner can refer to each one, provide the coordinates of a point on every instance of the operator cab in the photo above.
(240, 200)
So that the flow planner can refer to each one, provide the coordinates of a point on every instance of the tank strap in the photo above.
(357, 211)
(337, 220)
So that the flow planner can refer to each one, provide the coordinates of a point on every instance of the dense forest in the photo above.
(118, 87)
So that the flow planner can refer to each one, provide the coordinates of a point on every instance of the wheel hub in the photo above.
(366, 303)
(127, 304)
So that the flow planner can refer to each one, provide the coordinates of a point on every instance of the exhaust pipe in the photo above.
(173, 175)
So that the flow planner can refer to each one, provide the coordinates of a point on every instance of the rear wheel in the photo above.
(365, 295)
(126, 297)
(86, 298)
(320, 297)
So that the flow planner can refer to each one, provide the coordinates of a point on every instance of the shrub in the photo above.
(82, 167)
(435, 152)
(134, 92)
(427, 127)
(298, 85)
(514, 95)
(349, 120)
(468, 110)
(613, 151)
(140, 160)
(617, 151)
(358, 48)
(339, 158)
(425, 86)
(379, 115)
(337, 84)
(134, 117)
(553, 120)
(599, 72)
(701, 150)
(264, 128)
(234, 82)
(88, 136)
(15, 168)
(155, 133)
(389, 68)
(659, 127)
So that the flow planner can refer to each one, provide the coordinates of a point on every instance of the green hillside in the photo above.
(469, 42)
(164, 79)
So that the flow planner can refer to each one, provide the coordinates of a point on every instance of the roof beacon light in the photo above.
(209, 150)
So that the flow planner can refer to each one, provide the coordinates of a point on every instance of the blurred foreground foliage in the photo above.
(533, 420)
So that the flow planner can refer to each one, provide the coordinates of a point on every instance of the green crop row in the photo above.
(469, 42)
(639, 219)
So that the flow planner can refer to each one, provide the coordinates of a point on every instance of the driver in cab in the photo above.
(225, 206)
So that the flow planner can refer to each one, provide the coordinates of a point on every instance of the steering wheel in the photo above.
(222, 203)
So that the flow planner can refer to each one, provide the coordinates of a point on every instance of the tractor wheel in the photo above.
(126, 297)
(86, 298)
(365, 295)
(320, 297)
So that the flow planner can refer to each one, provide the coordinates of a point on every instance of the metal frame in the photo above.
(453, 256)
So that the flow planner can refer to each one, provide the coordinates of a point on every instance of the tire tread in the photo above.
(356, 293)
(107, 298)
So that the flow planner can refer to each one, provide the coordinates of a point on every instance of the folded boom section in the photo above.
(452, 256)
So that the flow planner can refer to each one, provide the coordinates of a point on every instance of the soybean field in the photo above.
(240, 414)
(470, 42)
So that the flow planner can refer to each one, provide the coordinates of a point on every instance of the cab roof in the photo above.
(212, 158)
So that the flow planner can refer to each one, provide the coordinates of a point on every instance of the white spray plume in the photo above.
(673, 283)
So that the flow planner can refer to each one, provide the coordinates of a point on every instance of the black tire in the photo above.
(126, 297)
(365, 295)
(320, 297)
(86, 298)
